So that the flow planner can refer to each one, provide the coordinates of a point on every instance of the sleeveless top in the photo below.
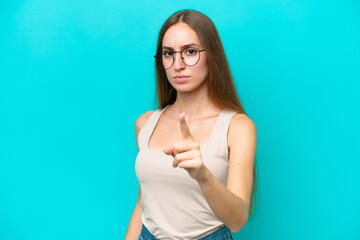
(173, 206)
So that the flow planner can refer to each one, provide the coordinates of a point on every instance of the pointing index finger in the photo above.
(185, 131)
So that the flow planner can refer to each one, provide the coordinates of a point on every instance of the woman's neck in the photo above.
(195, 104)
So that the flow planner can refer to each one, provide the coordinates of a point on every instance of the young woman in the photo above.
(195, 165)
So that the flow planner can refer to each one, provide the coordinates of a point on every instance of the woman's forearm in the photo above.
(228, 208)
(135, 224)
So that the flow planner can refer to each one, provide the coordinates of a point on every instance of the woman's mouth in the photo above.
(181, 78)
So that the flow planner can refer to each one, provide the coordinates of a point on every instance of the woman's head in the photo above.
(184, 59)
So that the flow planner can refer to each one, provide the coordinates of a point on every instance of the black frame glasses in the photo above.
(182, 52)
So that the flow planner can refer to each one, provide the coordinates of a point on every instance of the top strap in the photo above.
(148, 128)
(218, 144)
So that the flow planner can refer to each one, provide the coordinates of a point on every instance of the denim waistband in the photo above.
(221, 234)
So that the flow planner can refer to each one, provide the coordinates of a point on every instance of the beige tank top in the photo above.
(173, 206)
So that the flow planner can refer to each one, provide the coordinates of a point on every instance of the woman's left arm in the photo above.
(231, 204)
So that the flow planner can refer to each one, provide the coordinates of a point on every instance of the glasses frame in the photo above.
(182, 58)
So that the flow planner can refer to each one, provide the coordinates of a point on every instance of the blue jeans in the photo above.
(221, 234)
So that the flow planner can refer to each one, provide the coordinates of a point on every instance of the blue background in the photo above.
(75, 75)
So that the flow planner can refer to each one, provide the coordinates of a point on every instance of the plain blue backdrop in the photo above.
(75, 75)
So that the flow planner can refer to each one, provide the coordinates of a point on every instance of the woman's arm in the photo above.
(231, 204)
(135, 224)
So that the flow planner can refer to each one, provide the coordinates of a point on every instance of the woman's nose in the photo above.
(178, 62)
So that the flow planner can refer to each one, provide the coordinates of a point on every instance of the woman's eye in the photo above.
(168, 53)
(191, 52)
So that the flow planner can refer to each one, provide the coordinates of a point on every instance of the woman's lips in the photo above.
(181, 78)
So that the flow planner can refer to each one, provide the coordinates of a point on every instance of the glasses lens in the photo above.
(167, 59)
(190, 56)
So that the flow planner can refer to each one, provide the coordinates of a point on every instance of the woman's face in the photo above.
(182, 77)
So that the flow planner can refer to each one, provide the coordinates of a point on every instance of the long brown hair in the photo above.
(220, 81)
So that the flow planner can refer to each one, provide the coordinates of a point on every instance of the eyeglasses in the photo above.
(189, 56)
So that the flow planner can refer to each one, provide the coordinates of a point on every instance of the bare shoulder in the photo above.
(241, 127)
(141, 120)
(241, 120)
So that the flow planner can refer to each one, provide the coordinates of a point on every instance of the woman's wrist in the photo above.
(205, 177)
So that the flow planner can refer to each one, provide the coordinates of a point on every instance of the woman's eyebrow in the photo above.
(183, 46)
